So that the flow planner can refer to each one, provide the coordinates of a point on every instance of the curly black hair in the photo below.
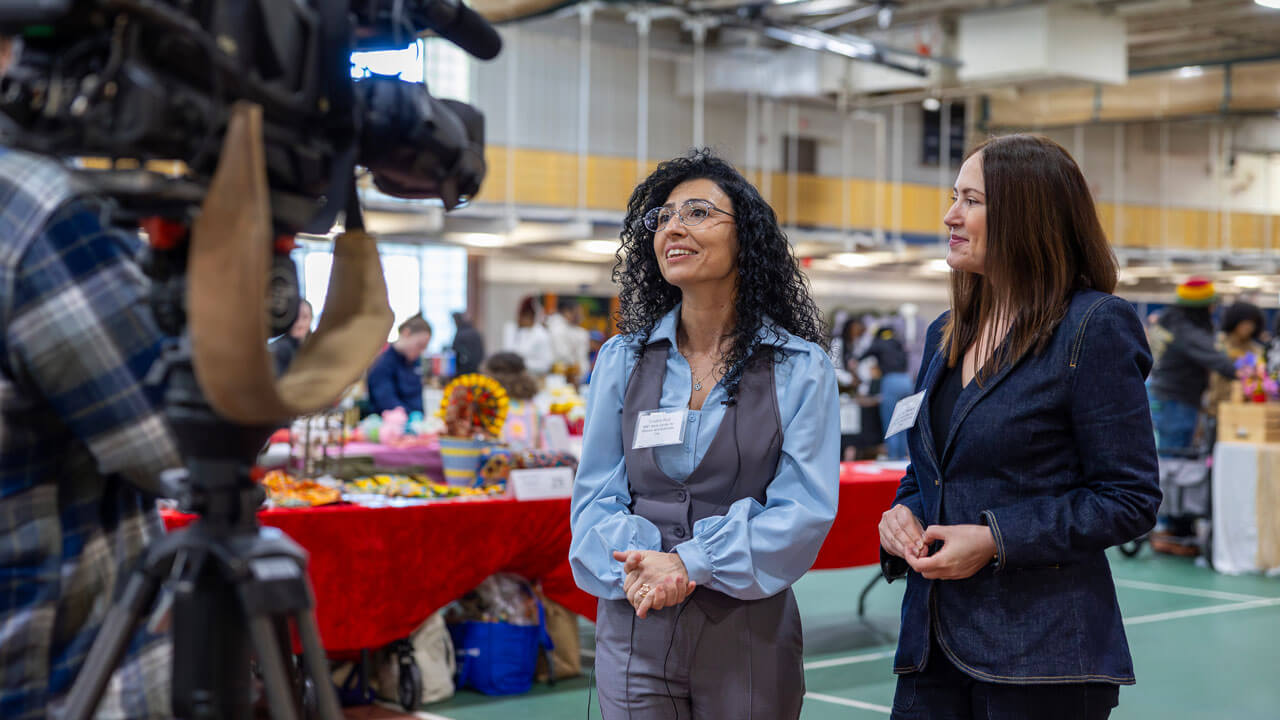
(769, 277)
(1239, 312)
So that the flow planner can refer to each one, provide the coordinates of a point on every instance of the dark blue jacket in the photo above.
(1057, 456)
(395, 382)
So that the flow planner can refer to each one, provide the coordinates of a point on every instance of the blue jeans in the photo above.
(894, 387)
(1175, 424)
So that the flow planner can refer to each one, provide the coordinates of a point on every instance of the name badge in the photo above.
(904, 414)
(656, 428)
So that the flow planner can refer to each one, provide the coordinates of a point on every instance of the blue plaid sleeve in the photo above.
(80, 333)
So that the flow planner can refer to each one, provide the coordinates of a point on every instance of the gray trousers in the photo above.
(681, 664)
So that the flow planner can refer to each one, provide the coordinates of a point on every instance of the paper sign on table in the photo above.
(541, 483)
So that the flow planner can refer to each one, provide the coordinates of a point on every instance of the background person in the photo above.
(395, 379)
(286, 346)
(1181, 374)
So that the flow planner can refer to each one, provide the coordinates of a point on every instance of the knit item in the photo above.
(1196, 292)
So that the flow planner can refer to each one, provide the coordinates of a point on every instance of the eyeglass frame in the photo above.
(657, 212)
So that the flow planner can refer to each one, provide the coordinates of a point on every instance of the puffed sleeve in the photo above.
(600, 516)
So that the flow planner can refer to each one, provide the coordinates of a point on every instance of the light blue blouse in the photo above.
(750, 552)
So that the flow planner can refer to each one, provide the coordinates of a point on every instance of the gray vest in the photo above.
(741, 462)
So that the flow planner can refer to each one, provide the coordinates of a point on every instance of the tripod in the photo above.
(237, 586)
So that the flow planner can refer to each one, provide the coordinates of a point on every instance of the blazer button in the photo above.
(679, 532)
(682, 496)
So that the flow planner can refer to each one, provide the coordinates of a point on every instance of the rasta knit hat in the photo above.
(1196, 292)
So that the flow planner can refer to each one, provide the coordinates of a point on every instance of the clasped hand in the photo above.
(654, 579)
(966, 549)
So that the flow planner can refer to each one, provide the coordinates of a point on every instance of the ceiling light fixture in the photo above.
(1273, 4)
(481, 240)
(1193, 71)
(931, 104)
(1248, 282)
(598, 247)
(852, 260)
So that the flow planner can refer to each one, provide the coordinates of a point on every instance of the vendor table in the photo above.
(378, 573)
(1246, 507)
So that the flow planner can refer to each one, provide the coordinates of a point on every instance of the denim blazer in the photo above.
(1056, 454)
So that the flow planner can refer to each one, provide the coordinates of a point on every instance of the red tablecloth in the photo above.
(379, 572)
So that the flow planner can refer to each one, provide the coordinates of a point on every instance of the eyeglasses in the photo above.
(691, 212)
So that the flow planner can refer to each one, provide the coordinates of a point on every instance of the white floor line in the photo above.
(849, 703)
(851, 660)
(424, 715)
(1180, 590)
(429, 716)
(1210, 610)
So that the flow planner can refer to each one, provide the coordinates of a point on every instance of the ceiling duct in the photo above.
(1042, 43)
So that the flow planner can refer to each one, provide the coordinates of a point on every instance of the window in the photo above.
(445, 67)
(420, 278)
(932, 138)
(806, 160)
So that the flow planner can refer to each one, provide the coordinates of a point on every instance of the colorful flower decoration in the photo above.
(1256, 384)
(474, 404)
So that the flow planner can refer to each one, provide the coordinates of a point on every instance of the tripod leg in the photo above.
(274, 676)
(313, 660)
(109, 646)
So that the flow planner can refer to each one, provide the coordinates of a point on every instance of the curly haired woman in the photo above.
(709, 475)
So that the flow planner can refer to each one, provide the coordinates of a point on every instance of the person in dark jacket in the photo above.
(1181, 373)
(286, 346)
(468, 345)
(1032, 453)
(895, 384)
(395, 380)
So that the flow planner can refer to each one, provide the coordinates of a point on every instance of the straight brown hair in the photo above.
(1044, 242)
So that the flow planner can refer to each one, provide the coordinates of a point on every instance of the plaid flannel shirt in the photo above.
(79, 434)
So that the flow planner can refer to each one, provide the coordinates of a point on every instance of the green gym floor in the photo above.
(1204, 646)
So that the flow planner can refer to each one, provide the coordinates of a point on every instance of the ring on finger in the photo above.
(644, 590)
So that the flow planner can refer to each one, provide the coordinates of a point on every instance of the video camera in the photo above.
(155, 80)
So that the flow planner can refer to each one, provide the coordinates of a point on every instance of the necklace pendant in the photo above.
(697, 386)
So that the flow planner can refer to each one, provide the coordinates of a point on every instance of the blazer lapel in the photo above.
(970, 396)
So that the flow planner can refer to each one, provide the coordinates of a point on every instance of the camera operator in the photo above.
(81, 437)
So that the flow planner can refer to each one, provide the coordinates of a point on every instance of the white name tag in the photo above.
(904, 414)
(850, 418)
(656, 428)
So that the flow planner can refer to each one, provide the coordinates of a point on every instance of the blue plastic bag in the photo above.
(498, 658)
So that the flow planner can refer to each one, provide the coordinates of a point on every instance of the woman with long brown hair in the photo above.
(1032, 453)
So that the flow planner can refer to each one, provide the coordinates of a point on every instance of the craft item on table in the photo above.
(474, 410)
(531, 459)
(317, 443)
(522, 429)
(411, 486)
(495, 467)
(393, 425)
(1256, 383)
(566, 401)
(284, 490)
